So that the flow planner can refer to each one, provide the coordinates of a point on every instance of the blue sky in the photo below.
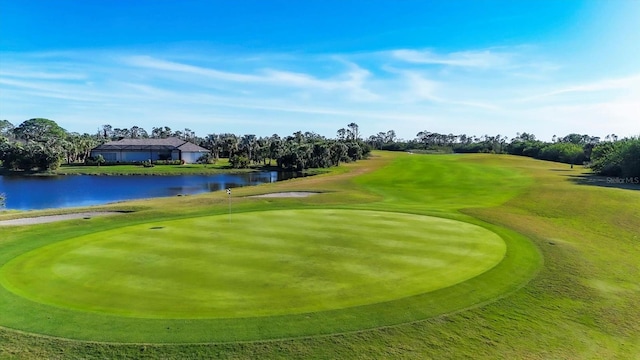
(264, 67)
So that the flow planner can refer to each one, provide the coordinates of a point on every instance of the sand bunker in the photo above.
(290, 194)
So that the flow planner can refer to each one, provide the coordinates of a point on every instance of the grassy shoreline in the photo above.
(222, 166)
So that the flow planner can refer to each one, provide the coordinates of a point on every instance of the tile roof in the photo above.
(191, 147)
(171, 143)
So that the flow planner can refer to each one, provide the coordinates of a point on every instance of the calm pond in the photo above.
(44, 192)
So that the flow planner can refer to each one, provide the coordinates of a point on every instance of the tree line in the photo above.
(610, 156)
(41, 144)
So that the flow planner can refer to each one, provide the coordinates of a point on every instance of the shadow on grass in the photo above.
(628, 183)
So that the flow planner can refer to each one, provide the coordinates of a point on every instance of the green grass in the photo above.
(581, 303)
(221, 166)
(252, 264)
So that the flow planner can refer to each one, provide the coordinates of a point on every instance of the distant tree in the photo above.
(263, 151)
(568, 153)
(161, 132)
(590, 143)
(6, 129)
(276, 148)
(39, 129)
(31, 155)
(390, 137)
(107, 131)
(376, 141)
(119, 134)
(137, 132)
(617, 158)
(5, 148)
(215, 143)
(353, 132)
(339, 153)
(524, 137)
(188, 135)
(247, 145)
(231, 144)
(575, 139)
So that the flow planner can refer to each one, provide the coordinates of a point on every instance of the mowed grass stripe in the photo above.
(145, 269)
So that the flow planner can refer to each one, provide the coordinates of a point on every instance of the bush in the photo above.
(169, 162)
(30, 155)
(207, 158)
(239, 162)
(568, 153)
(620, 158)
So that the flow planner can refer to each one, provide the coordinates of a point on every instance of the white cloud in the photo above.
(469, 59)
(149, 62)
(352, 81)
(42, 75)
(629, 84)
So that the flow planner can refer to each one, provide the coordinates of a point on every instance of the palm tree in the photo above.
(353, 131)
(231, 143)
(275, 148)
(247, 145)
(215, 143)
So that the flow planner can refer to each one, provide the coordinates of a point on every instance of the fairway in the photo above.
(254, 264)
(402, 255)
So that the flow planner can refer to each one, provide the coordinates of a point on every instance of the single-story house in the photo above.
(132, 150)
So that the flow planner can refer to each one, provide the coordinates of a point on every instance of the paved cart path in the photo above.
(54, 218)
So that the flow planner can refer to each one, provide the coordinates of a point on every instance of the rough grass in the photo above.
(582, 304)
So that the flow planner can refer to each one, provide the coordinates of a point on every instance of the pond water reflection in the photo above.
(43, 192)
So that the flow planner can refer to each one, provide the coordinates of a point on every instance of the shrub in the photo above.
(239, 161)
(207, 158)
(620, 158)
(169, 162)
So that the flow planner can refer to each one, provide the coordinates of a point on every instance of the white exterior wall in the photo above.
(191, 157)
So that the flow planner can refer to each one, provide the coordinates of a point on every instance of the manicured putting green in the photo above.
(254, 264)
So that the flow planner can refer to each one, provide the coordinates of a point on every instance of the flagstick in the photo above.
(229, 193)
